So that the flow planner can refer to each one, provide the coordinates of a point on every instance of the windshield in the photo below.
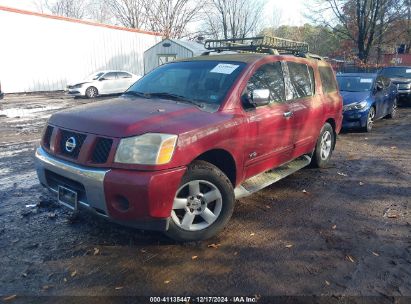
(402, 72)
(94, 76)
(355, 83)
(204, 83)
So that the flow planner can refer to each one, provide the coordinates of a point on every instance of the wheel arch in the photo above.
(223, 160)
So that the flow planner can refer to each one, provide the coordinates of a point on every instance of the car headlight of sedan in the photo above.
(355, 106)
(146, 149)
(77, 86)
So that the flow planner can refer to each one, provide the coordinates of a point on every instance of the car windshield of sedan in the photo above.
(402, 72)
(203, 83)
(355, 83)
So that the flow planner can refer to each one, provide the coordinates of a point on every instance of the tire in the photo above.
(204, 193)
(91, 92)
(370, 120)
(324, 147)
(394, 110)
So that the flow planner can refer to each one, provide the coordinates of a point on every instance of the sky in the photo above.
(288, 12)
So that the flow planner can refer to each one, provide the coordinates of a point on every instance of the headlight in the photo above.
(78, 86)
(355, 106)
(147, 149)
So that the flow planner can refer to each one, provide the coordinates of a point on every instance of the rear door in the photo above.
(125, 80)
(109, 83)
(269, 141)
(305, 105)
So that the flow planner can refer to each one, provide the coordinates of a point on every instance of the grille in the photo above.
(78, 140)
(102, 150)
(47, 137)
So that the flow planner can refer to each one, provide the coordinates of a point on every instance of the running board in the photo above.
(265, 179)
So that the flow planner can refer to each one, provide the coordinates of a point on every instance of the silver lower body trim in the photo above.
(91, 179)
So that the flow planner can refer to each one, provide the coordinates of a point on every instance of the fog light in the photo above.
(120, 203)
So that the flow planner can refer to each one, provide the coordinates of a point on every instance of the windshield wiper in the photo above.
(135, 93)
(176, 97)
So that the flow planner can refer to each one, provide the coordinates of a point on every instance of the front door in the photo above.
(270, 141)
(109, 83)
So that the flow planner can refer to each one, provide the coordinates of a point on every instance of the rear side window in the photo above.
(301, 85)
(269, 76)
(327, 79)
(110, 76)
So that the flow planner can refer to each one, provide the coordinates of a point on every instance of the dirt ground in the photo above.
(340, 232)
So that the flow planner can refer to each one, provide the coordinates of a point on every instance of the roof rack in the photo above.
(260, 44)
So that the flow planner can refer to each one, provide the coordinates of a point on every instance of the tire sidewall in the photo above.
(205, 171)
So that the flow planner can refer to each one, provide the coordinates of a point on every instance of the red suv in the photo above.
(175, 151)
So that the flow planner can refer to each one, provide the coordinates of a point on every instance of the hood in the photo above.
(128, 116)
(400, 80)
(78, 82)
(351, 97)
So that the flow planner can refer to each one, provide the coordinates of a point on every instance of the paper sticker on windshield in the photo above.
(366, 80)
(224, 68)
(408, 71)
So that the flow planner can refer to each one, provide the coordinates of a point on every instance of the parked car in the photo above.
(101, 83)
(366, 98)
(401, 77)
(175, 151)
(1, 92)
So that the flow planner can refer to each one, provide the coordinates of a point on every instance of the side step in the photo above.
(262, 180)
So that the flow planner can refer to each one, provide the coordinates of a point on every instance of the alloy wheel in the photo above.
(326, 143)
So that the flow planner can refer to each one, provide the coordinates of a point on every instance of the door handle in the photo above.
(288, 114)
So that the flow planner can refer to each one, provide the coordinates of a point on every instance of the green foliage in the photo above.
(322, 40)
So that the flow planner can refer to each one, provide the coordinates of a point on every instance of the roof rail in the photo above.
(260, 44)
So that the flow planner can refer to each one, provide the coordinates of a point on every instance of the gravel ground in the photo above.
(340, 232)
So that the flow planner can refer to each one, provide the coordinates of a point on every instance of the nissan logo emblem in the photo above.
(71, 144)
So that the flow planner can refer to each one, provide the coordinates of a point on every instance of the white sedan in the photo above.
(104, 82)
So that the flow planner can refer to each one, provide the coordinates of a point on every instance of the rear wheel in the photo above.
(202, 205)
(324, 147)
(393, 112)
(91, 92)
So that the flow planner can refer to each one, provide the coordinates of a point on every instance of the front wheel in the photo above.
(393, 112)
(203, 204)
(324, 147)
(91, 92)
(370, 120)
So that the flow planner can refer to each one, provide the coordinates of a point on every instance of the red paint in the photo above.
(264, 131)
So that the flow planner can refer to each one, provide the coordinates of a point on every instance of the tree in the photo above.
(67, 8)
(361, 21)
(171, 17)
(129, 13)
(233, 19)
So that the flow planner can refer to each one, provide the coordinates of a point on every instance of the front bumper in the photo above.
(77, 92)
(134, 198)
(355, 119)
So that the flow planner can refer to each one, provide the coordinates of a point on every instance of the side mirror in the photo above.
(379, 86)
(260, 97)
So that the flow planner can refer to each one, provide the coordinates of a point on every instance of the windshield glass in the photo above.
(202, 82)
(94, 76)
(355, 83)
(402, 72)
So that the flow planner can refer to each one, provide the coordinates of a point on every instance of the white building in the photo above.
(41, 52)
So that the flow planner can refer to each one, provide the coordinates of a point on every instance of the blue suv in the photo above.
(366, 98)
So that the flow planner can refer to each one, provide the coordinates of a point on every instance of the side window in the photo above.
(269, 76)
(110, 76)
(123, 75)
(327, 79)
(300, 79)
(312, 79)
